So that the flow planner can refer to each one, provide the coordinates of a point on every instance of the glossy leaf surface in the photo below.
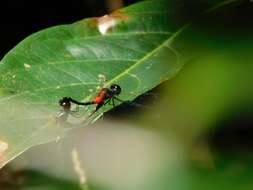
(136, 47)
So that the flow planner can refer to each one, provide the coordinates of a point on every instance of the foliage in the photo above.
(138, 47)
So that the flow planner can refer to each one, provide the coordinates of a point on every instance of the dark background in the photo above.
(20, 18)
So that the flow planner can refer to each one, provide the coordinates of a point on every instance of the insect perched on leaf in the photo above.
(105, 96)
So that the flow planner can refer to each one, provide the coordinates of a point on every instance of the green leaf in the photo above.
(135, 47)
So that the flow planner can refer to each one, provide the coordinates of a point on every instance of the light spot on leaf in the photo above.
(74, 51)
(101, 78)
(27, 66)
(3, 147)
(116, 16)
(106, 23)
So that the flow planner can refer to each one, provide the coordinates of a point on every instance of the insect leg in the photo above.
(99, 106)
(113, 103)
(118, 99)
(96, 109)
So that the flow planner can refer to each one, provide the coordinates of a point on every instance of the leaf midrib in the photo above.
(166, 42)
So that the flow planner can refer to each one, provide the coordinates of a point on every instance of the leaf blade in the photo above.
(135, 52)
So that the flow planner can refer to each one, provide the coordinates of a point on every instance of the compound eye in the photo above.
(116, 89)
(64, 102)
(61, 102)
